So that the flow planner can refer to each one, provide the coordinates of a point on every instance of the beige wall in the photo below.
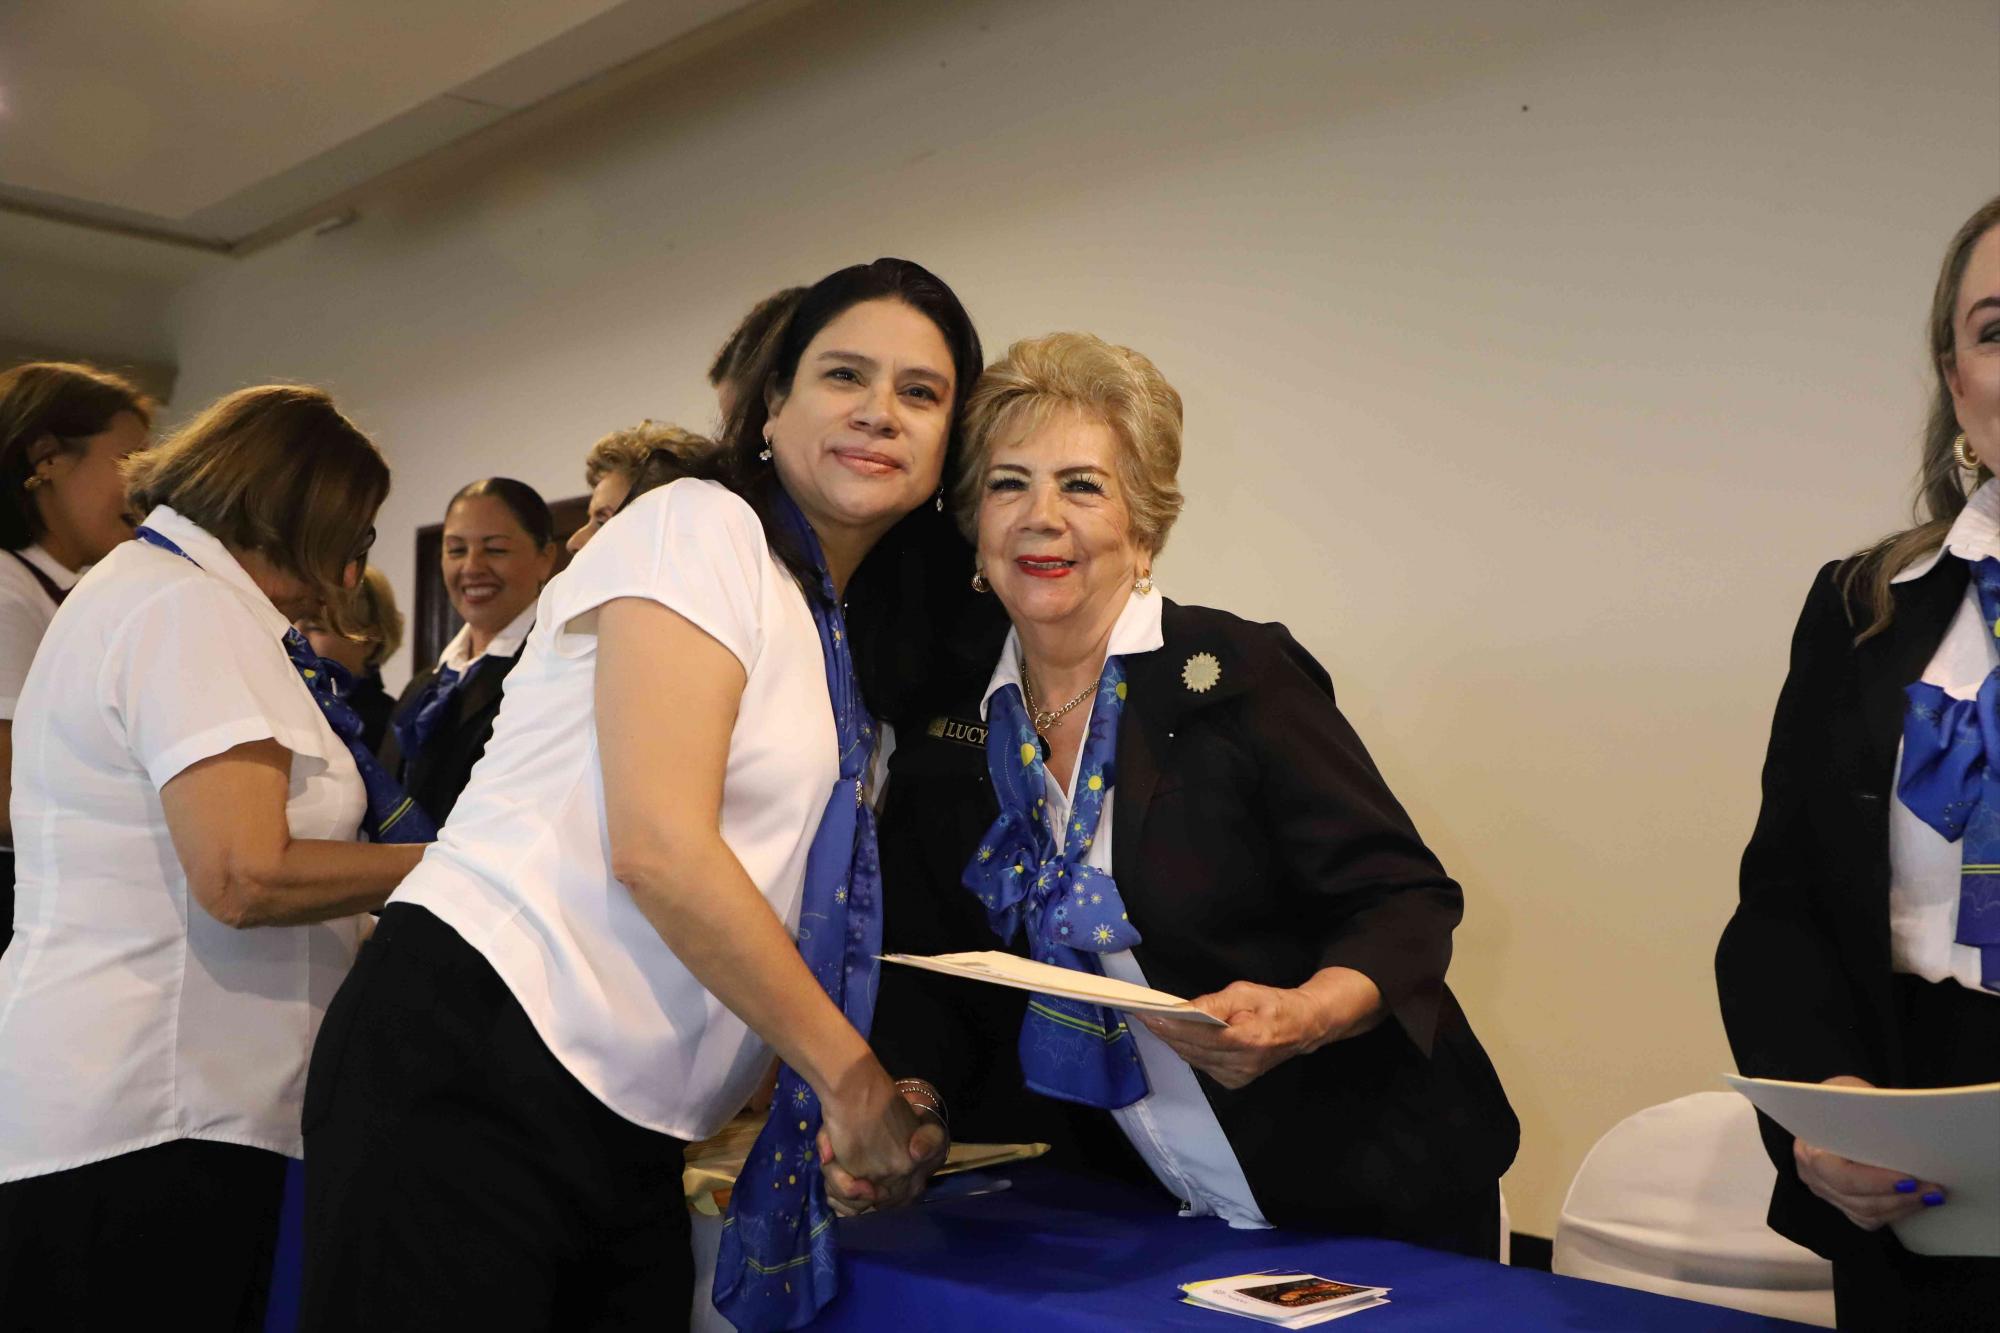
(1534, 356)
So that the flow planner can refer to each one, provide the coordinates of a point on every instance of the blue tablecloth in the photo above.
(1049, 1256)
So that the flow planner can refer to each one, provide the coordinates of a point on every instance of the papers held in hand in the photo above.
(1004, 969)
(1949, 1135)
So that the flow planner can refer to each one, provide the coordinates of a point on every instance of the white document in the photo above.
(1949, 1135)
(1004, 969)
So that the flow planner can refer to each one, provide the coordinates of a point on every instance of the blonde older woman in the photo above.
(374, 633)
(1179, 803)
(615, 462)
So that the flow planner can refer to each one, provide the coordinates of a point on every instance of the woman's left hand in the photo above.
(1268, 1025)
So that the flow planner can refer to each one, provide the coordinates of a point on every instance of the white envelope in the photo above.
(1004, 969)
(1950, 1135)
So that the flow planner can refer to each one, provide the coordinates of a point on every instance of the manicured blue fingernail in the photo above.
(1932, 1198)
(1906, 1187)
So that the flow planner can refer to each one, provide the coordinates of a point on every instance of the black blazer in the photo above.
(1803, 967)
(1253, 840)
(439, 774)
(373, 704)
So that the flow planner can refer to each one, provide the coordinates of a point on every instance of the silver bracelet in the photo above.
(918, 1092)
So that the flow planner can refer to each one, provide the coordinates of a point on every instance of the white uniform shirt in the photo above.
(458, 653)
(1173, 1127)
(1923, 867)
(128, 1015)
(522, 870)
(25, 613)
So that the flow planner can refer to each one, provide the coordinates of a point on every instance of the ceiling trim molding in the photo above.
(78, 217)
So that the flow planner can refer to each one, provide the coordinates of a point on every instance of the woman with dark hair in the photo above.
(554, 1006)
(63, 431)
(499, 549)
(191, 888)
(1865, 949)
(746, 355)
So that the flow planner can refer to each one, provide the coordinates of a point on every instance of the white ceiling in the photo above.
(215, 120)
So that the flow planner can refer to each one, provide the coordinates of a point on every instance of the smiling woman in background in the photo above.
(499, 549)
(63, 431)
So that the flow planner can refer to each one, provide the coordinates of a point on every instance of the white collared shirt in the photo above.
(1173, 1127)
(128, 1015)
(458, 654)
(1923, 867)
(522, 869)
(25, 613)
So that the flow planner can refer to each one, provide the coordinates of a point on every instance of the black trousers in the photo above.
(1951, 1037)
(178, 1235)
(457, 1176)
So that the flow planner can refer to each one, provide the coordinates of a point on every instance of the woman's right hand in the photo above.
(1871, 1197)
(875, 1150)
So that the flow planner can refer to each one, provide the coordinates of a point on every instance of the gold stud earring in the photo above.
(1961, 452)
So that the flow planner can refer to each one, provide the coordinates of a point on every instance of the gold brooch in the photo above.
(1201, 672)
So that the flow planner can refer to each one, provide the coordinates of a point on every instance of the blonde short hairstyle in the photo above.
(377, 620)
(625, 450)
(276, 470)
(1082, 373)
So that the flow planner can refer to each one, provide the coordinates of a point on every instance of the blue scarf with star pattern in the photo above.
(1950, 747)
(1070, 912)
(778, 1266)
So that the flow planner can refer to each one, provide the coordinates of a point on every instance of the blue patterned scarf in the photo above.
(392, 816)
(1071, 913)
(778, 1265)
(414, 726)
(1949, 781)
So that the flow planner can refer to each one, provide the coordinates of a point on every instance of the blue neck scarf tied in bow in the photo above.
(414, 726)
(778, 1265)
(1951, 748)
(1071, 912)
(391, 816)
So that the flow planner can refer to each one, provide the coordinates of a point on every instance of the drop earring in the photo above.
(1143, 585)
(979, 583)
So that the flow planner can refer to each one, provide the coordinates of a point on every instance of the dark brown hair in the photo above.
(907, 601)
(1941, 485)
(753, 339)
(523, 501)
(276, 470)
(51, 400)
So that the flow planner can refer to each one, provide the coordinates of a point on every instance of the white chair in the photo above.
(1672, 1201)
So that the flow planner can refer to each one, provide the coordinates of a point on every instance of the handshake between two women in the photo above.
(879, 1146)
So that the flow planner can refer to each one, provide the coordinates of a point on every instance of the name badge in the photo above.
(955, 729)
